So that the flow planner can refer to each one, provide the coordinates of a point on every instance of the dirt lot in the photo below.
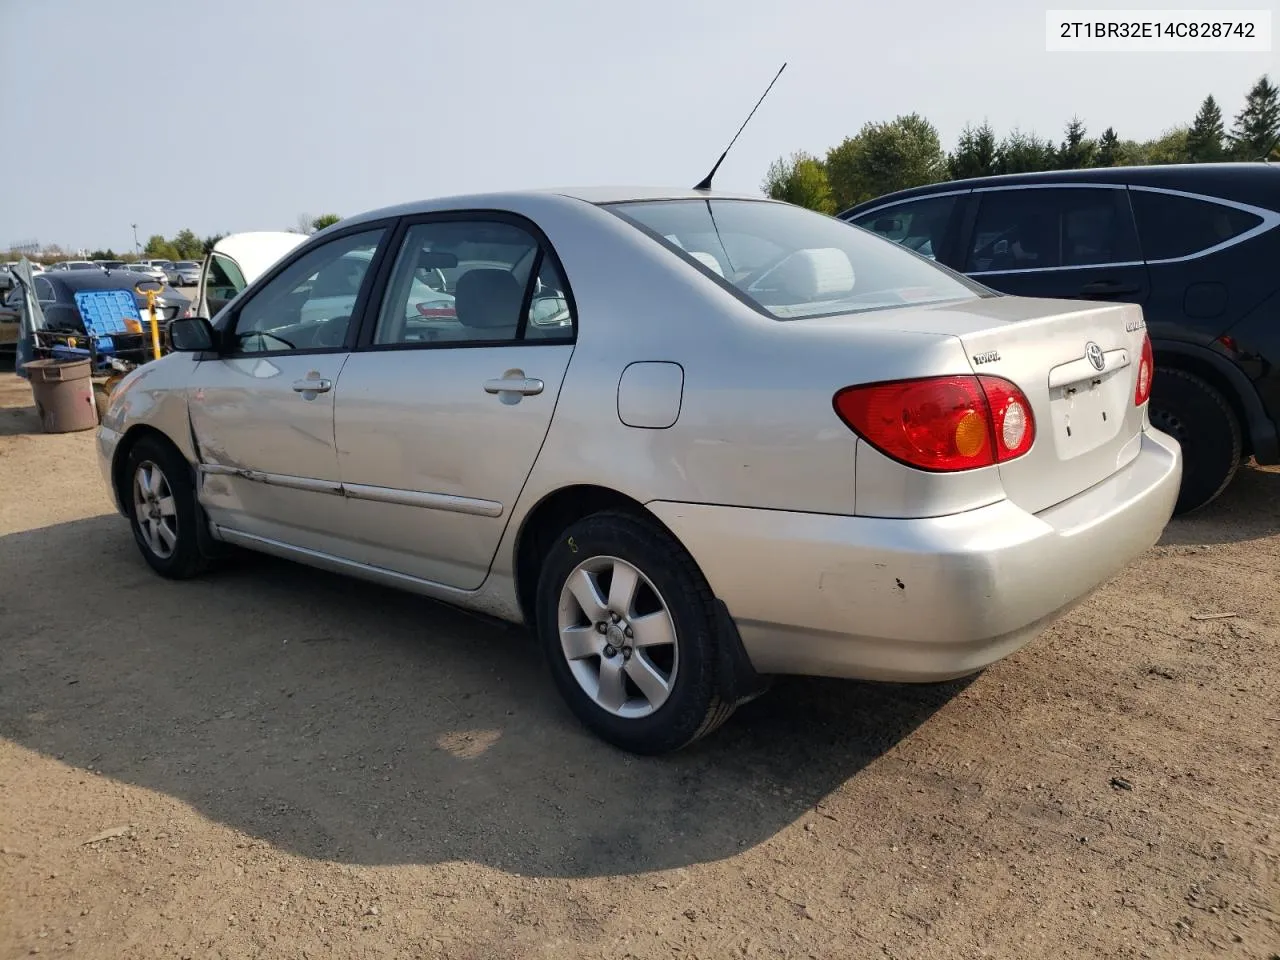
(280, 763)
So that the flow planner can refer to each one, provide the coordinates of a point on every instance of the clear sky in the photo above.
(241, 114)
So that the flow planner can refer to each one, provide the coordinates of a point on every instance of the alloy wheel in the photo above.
(618, 637)
(154, 509)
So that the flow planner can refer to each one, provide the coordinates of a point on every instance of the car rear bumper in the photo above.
(921, 600)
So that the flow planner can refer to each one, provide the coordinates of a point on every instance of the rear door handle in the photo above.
(525, 386)
(312, 386)
(1109, 288)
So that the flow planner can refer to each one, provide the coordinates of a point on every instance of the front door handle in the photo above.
(1109, 288)
(312, 386)
(525, 386)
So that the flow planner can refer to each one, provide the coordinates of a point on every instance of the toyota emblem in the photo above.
(1094, 353)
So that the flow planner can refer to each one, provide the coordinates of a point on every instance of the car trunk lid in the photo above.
(1077, 364)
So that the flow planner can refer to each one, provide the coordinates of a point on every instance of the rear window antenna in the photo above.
(705, 184)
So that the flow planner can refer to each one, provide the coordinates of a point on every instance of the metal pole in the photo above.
(136, 249)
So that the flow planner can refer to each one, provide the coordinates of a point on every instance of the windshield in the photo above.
(790, 262)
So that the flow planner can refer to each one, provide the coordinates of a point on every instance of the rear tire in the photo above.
(161, 503)
(677, 666)
(1196, 415)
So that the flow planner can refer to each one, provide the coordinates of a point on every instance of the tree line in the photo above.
(183, 245)
(907, 152)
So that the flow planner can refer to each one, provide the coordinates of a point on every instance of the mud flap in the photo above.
(739, 682)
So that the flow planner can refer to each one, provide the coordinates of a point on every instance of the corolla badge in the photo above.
(1094, 353)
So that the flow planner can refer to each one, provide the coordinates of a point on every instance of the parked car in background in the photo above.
(236, 261)
(62, 265)
(10, 319)
(183, 273)
(6, 276)
(1196, 246)
(110, 264)
(56, 292)
(854, 463)
(148, 269)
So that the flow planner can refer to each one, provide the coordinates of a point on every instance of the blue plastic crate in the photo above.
(106, 312)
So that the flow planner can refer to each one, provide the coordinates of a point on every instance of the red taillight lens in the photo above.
(1146, 369)
(941, 424)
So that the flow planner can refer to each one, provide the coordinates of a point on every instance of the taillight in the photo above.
(941, 424)
(1146, 369)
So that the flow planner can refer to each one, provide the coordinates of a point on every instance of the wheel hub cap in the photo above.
(618, 637)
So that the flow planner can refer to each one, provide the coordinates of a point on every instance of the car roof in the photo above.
(92, 280)
(500, 200)
(1255, 183)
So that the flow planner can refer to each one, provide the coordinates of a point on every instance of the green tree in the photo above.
(1257, 128)
(158, 248)
(1204, 140)
(1077, 151)
(884, 157)
(800, 179)
(975, 154)
(1109, 149)
(1025, 153)
(107, 254)
(324, 220)
(188, 245)
(1169, 147)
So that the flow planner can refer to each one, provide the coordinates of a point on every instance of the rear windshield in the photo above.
(792, 263)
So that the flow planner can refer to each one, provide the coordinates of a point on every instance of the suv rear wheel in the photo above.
(1199, 417)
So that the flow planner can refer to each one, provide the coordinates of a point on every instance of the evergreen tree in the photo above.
(1204, 142)
(1257, 126)
(1110, 153)
(1077, 151)
(975, 154)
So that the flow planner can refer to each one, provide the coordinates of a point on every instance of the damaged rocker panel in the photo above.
(360, 491)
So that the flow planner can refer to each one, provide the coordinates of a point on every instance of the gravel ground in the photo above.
(275, 762)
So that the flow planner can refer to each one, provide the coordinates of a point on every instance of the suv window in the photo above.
(918, 224)
(1174, 226)
(308, 306)
(466, 282)
(1020, 229)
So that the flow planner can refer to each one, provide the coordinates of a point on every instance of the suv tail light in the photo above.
(941, 424)
(1146, 369)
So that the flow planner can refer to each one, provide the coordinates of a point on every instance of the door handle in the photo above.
(1108, 288)
(312, 386)
(525, 386)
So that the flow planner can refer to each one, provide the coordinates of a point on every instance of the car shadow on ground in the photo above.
(1249, 509)
(343, 721)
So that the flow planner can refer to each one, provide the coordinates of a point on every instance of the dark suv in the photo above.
(1196, 245)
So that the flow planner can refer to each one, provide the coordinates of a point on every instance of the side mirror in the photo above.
(192, 335)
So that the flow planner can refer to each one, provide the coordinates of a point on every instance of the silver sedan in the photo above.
(691, 439)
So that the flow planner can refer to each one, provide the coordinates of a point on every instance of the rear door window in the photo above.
(1173, 226)
(1048, 228)
(918, 225)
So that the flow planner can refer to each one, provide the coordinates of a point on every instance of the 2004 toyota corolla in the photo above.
(693, 439)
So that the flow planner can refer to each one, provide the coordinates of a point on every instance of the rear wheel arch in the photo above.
(548, 518)
(1229, 381)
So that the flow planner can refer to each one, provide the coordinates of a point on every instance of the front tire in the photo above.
(161, 503)
(627, 623)
(1199, 417)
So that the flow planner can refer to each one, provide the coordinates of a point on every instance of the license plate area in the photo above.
(1086, 414)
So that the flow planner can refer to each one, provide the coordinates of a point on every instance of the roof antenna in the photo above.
(706, 181)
